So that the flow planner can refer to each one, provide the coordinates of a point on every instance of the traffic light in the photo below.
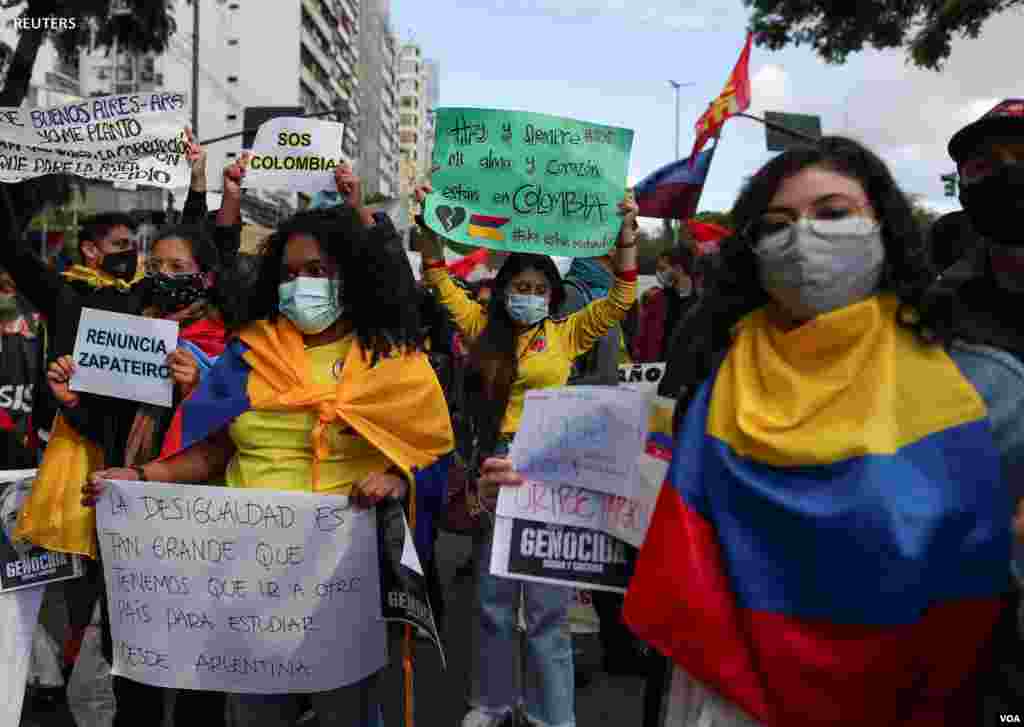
(950, 180)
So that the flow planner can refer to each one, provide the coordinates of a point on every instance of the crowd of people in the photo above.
(834, 542)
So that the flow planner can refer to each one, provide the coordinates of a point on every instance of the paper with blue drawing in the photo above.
(588, 436)
(592, 482)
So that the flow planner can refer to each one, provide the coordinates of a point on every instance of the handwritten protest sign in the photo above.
(124, 356)
(134, 138)
(22, 564)
(249, 591)
(295, 154)
(645, 376)
(624, 518)
(527, 182)
(587, 436)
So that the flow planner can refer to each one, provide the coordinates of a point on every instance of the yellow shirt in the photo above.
(546, 351)
(275, 449)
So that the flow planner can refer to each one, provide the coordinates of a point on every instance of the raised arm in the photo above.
(42, 286)
(469, 316)
(195, 209)
(584, 328)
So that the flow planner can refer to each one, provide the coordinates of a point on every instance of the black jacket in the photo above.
(105, 421)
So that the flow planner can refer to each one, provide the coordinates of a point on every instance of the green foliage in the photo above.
(716, 218)
(923, 28)
(375, 198)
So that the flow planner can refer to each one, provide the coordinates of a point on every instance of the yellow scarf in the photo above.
(397, 405)
(847, 384)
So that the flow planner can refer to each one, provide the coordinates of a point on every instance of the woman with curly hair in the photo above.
(833, 539)
(314, 394)
(832, 543)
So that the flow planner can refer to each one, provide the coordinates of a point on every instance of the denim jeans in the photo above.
(549, 691)
(355, 705)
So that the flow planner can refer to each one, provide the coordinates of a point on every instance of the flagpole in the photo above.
(779, 127)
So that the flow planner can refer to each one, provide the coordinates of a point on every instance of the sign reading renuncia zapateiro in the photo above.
(137, 138)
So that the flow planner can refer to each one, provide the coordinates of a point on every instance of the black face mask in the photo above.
(172, 293)
(122, 265)
(995, 204)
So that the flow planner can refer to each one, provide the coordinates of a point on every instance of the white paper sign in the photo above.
(644, 376)
(621, 517)
(295, 154)
(19, 614)
(587, 436)
(124, 356)
(246, 591)
(130, 138)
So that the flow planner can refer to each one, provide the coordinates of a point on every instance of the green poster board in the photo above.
(525, 182)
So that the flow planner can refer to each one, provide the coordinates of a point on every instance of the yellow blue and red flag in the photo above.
(832, 541)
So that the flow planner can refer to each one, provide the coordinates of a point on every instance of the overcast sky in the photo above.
(607, 61)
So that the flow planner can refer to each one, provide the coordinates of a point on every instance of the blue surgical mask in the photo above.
(312, 304)
(527, 309)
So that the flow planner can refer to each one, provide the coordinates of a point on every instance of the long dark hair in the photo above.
(378, 291)
(733, 288)
(493, 356)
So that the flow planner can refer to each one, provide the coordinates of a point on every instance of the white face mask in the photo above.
(818, 266)
(310, 303)
(665, 278)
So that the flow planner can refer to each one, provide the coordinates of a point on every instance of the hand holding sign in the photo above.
(59, 376)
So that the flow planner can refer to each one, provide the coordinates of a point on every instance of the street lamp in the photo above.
(678, 85)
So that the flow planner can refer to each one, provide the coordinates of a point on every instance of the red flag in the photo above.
(463, 267)
(707, 235)
(734, 99)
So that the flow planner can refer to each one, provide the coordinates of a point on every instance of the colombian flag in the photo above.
(832, 540)
(264, 369)
(673, 191)
(486, 227)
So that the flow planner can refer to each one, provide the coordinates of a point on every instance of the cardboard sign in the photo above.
(127, 138)
(526, 182)
(295, 154)
(124, 356)
(22, 564)
(240, 590)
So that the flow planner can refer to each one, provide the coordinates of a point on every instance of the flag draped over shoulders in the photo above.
(832, 541)
(396, 404)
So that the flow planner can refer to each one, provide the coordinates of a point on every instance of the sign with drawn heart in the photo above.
(451, 218)
(526, 182)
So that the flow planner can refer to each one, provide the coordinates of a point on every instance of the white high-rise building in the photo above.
(378, 86)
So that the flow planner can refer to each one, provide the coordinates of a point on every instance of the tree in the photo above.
(924, 216)
(717, 218)
(924, 28)
(144, 26)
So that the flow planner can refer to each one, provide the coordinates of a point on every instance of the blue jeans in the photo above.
(550, 691)
(355, 705)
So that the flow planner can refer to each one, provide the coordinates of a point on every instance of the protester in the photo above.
(22, 351)
(812, 324)
(331, 318)
(517, 346)
(590, 279)
(180, 276)
(664, 307)
(980, 293)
